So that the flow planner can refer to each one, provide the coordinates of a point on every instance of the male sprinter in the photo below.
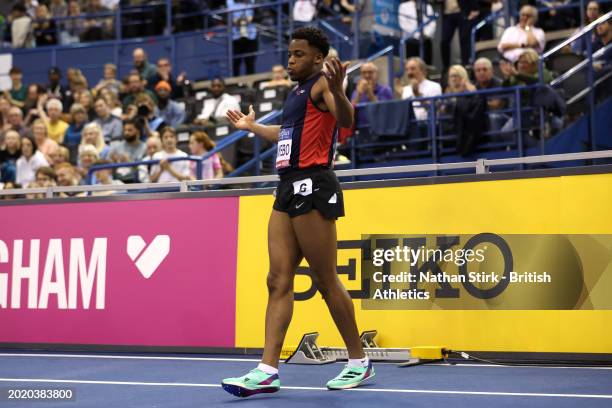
(308, 201)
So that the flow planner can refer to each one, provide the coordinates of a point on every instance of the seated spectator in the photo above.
(215, 108)
(419, 86)
(85, 98)
(21, 27)
(154, 145)
(92, 135)
(199, 145)
(88, 155)
(164, 73)
(60, 155)
(111, 126)
(136, 86)
(105, 177)
(15, 120)
(279, 78)
(58, 8)
(55, 89)
(408, 21)
(526, 71)
(130, 149)
(167, 171)
(603, 64)
(31, 159)
(112, 101)
(73, 28)
(29, 106)
(97, 28)
(522, 36)
(109, 81)
(67, 176)
(485, 79)
(146, 70)
(147, 114)
(592, 13)
(458, 80)
(56, 127)
(369, 90)
(44, 144)
(171, 112)
(18, 92)
(5, 107)
(44, 28)
(45, 177)
(79, 118)
(9, 155)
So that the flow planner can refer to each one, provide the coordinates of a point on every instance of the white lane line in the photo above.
(364, 389)
(111, 357)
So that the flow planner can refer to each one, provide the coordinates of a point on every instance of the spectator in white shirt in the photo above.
(516, 39)
(214, 109)
(31, 160)
(167, 171)
(21, 27)
(419, 86)
(409, 23)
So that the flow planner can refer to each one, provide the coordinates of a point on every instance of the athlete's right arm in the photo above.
(247, 122)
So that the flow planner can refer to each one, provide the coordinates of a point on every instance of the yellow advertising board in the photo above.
(575, 211)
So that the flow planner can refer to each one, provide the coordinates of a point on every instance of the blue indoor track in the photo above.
(139, 381)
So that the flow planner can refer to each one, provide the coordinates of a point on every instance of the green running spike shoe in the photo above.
(351, 377)
(255, 382)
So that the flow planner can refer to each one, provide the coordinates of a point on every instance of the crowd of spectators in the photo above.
(52, 134)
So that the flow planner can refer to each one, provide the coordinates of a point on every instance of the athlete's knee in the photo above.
(278, 283)
(326, 283)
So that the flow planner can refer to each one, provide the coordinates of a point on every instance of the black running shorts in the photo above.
(303, 190)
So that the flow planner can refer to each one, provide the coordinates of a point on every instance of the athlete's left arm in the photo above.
(333, 93)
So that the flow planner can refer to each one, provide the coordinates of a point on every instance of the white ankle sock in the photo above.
(267, 369)
(359, 362)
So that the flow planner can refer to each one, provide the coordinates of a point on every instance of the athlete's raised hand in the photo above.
(240, 120)
(334, 72)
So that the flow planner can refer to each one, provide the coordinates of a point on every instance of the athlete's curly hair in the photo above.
(315, 38)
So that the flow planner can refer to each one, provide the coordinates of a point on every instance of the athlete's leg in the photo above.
(285, 257)
(317, 239)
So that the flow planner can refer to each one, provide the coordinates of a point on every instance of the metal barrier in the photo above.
(480, 166)
(229, 140)
(590, 71)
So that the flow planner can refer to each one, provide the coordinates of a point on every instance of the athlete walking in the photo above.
(308, 201)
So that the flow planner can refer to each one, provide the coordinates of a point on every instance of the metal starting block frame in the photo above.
(308, 352)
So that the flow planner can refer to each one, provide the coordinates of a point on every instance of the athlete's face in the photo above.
(303, 60)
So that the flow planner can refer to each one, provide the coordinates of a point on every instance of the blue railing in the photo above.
(226, 142)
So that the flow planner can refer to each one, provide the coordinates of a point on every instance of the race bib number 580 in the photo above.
(283, 152)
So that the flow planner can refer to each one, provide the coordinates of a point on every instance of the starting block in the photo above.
(308, 352)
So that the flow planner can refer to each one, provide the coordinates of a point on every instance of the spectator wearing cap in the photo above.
(55, 88)
(142, 65)
(172, 112)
